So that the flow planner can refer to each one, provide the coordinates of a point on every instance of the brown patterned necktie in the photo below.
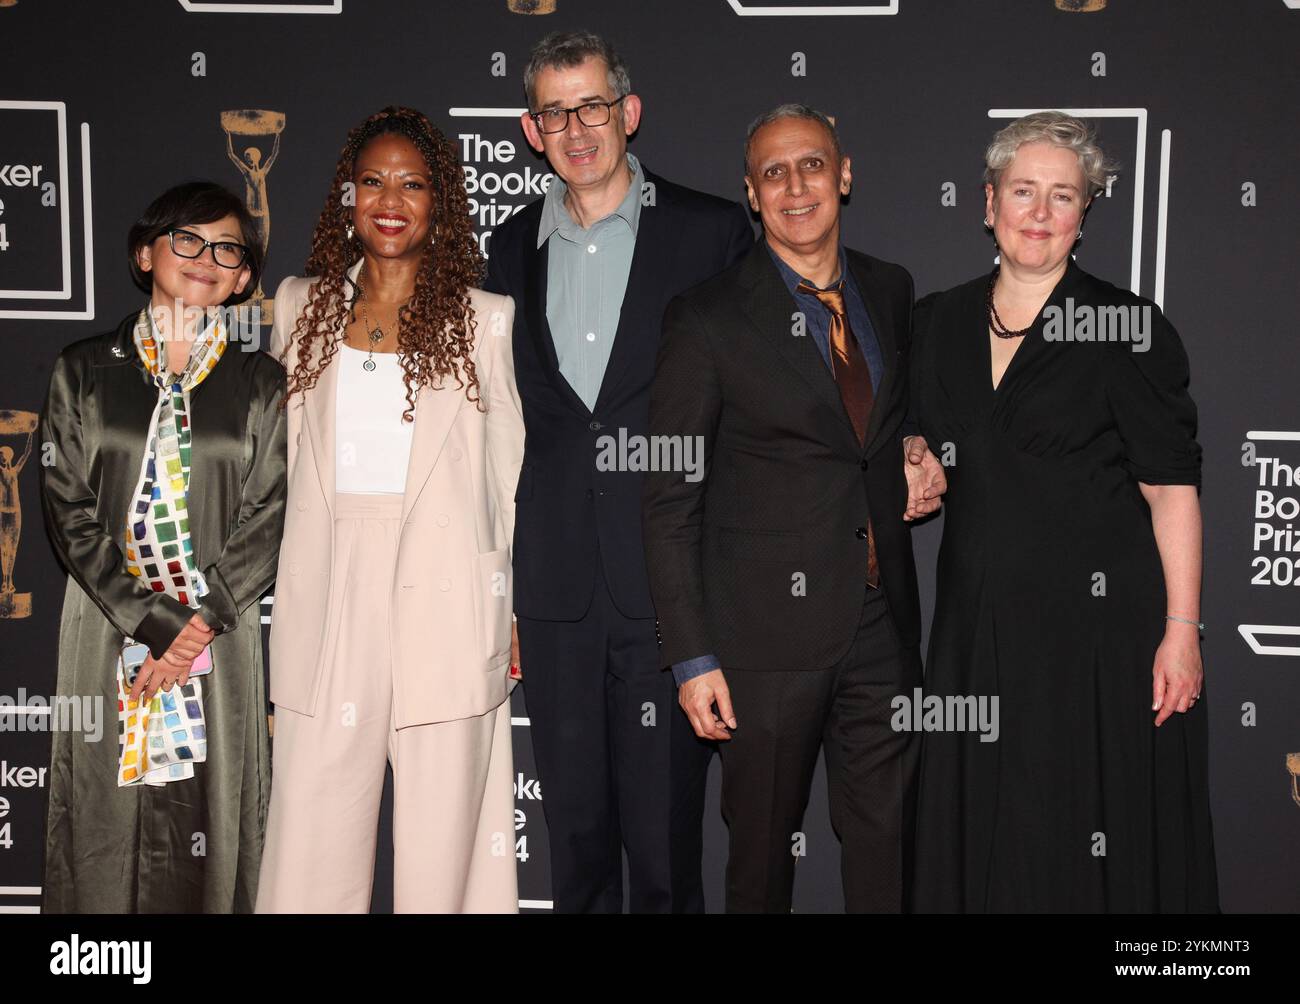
(853, 377)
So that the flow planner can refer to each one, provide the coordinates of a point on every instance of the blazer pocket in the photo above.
(760, 545)
(492, 605)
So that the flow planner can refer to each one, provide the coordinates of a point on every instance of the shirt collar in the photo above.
(556, 217)
(793, 278)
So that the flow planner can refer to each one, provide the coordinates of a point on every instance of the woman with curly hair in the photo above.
(391, 637)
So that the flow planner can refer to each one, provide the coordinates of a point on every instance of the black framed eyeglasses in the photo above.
(188, 244)
(592, 114)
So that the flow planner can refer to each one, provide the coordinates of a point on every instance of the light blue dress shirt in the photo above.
(586, 277)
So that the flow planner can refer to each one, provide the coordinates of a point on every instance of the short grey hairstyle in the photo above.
(1056, 128)
(791, 110)
(564, 49)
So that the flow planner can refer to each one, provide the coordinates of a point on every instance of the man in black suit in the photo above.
(591, 267)
(789, 562)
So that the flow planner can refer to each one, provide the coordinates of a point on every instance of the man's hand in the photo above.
(926, 481)
(697, 697)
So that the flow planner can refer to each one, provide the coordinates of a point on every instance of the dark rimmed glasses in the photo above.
(592, 114)
(187, 244)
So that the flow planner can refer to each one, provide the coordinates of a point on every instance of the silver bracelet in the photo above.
(1181, 620)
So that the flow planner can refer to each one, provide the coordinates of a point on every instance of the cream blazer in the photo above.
(450, 603)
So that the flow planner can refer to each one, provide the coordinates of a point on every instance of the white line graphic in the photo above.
(328, 7)
(1162, 217)
(88, 239)
(1251, 632)
(64, 292)
(1280, 436)
(860, 10)
(490, 113)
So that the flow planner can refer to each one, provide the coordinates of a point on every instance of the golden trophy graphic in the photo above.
(1081, 6)
(1293, 768)
(8, 3)
(531, 6)
(13, 604)
(255, 166)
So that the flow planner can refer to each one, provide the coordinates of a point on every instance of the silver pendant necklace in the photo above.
(376, 334)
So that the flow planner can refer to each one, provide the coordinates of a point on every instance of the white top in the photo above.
(371, 442)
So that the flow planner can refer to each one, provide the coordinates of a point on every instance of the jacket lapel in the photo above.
(319, 412)
(875, 300)
(646, 279)
(538, 327)
(770, 308)
(435, 411)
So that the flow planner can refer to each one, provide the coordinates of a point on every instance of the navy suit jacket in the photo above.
(569, 514)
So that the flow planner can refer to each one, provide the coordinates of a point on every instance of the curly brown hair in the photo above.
(436, 328)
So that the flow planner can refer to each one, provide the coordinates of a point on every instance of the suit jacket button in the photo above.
(302, 506)
(456, 454)
(293, 568)
(444, 585)
(861, 533)
(589, 493)
(864, 465)
(443, 519)
(595, 427)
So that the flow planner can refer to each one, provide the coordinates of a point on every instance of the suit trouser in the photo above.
(783, 718)
(618, 763)
(453, 804)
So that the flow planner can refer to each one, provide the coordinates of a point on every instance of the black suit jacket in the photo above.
(568, 513)
(763, 563)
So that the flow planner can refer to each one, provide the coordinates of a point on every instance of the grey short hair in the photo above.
(1056, 128)
(564, 49)
(791, 110)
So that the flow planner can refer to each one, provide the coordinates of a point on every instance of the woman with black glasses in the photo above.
(164, 497)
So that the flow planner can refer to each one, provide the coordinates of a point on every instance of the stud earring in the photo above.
(350, 231)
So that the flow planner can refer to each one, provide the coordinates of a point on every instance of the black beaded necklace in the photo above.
(995, 322)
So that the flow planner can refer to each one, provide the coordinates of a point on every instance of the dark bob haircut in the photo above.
(187, 204)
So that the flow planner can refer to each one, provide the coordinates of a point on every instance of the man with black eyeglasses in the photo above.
(592, 266)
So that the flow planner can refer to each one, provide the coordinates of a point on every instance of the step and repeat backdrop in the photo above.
(104, 104)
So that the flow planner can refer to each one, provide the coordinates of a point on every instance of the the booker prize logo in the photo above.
(15, 427)
(1275, 547)
(258, 135)
(531, 6)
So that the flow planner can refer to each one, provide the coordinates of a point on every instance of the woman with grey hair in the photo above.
(1068, 602)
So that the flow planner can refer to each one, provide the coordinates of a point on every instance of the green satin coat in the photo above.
(192, 845)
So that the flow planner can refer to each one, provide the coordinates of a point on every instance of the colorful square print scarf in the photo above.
(162, 741)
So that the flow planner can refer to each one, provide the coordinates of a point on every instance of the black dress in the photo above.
(1051, 598)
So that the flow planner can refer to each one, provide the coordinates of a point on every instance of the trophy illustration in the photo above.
(531, 6)
(1293, 768)
(253, 125)
(13, 604)
(1081, 6)
(8, 3)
